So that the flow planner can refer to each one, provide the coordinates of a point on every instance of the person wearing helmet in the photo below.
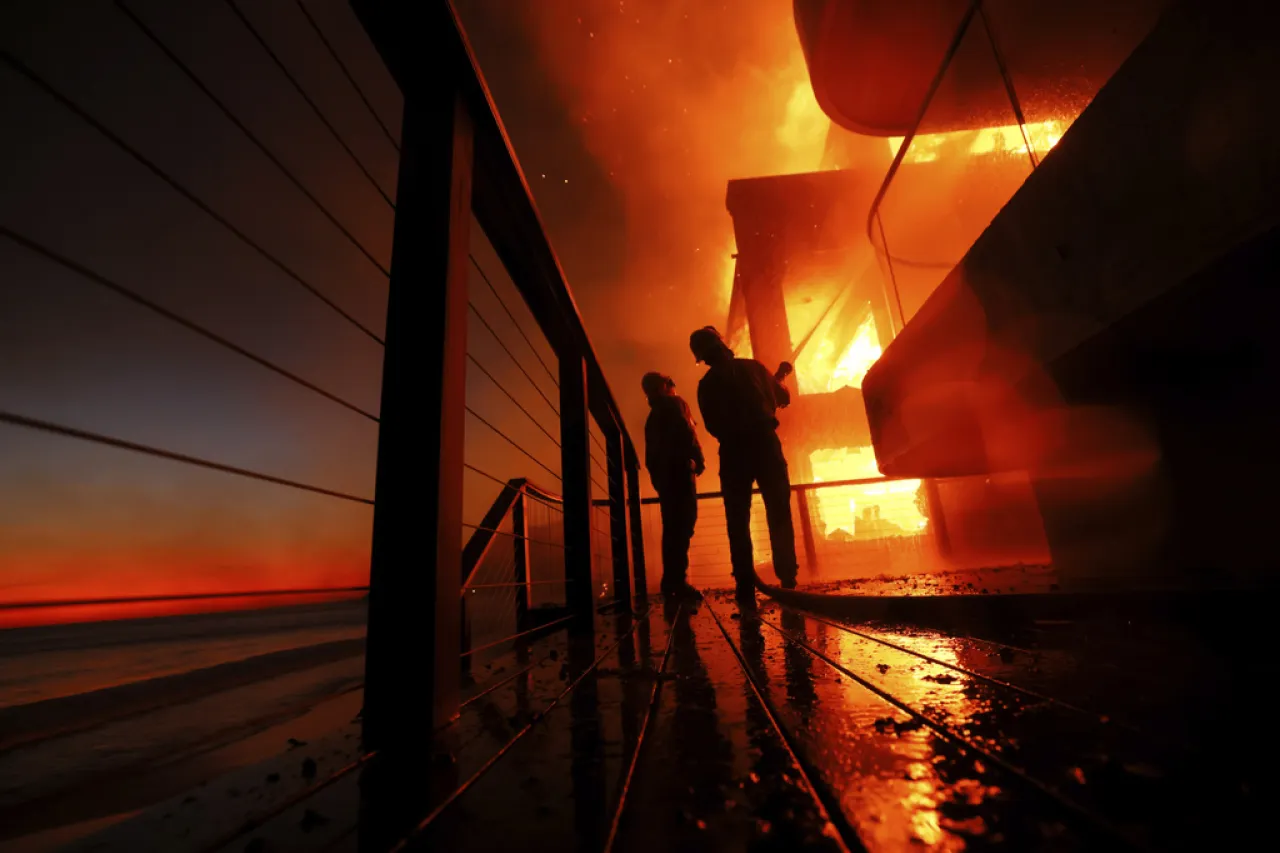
(739, 399)
(674, 460)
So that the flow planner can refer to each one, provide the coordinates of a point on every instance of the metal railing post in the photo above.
(806, 530)
(520, 543)
(937, 518)
(614, 465)
(412, 666)
(575, 471)
(632, 464)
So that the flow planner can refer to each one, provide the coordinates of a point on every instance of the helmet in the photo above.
(654, 383)
(706, 342)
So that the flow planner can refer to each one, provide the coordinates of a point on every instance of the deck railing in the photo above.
(457, 168)
(925, 217)
(212, 205)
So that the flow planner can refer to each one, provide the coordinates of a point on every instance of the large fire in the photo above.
(802, 135)
(866, 511)
(871, 510)
(806, 126)
(674, 100)
(1006, 139)
(820, 369)
(890, 508)
(848, 511)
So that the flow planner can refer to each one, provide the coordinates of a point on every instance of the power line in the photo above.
(235, 8)
(514, 321)
(22, 68)
(347, 73)
(249, 134)
(110, 441)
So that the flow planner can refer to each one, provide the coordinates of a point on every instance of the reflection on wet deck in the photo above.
(707, 726)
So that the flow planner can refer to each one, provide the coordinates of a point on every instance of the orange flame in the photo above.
(820, 369)
(1006, 139)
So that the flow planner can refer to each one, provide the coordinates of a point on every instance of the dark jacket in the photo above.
(739, 401)
(671, 448)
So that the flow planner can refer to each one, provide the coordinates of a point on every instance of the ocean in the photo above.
(99, 719)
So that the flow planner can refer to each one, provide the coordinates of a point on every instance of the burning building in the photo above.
(955, 125)
(1088, 326)
(819, 283)
(809, 288)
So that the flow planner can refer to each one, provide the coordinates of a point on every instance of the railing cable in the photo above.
(509, 440)
(893, 276)
(249, 134)
(510, 535)
(516, 402)
(501, 482)
(512, 355)
(347, 73)
(1007, 77)
(139, 299)
(514, 321)
(532, 491)
(111, 441)
(599, 442)
(239, 13)
(873, 215)
(26, 71)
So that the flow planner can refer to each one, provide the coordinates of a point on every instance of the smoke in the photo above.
(675, 99)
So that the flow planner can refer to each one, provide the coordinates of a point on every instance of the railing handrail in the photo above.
(458, 167)
(962, 29)
(545, 495)
(795, 487)
(515, 490)
(501, 197)
(482, 536)
(873, 215)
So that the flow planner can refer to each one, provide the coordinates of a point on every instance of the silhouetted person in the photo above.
(739, 398)
(674, 459)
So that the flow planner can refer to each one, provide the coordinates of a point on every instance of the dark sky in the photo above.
(627, 127)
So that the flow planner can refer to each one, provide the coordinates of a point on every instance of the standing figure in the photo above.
(674, 459)
(739, 398)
